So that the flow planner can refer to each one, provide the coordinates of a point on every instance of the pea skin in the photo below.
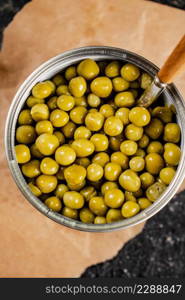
(85, 148)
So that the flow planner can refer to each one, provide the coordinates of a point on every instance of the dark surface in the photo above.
(8, 9)
(159, 251)
(174, 3)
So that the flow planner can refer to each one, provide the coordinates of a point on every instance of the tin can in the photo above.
(48, 70)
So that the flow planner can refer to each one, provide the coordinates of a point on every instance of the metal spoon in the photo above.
(173, 65)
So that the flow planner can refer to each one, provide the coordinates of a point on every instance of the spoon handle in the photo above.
(174, 64)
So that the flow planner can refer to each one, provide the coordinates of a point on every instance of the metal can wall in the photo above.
(49, 69)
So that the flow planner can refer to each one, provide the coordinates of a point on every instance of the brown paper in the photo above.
(31, 244)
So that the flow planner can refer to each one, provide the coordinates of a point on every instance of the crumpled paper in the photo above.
(31, 244)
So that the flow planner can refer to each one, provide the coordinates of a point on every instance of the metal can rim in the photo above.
(47, 70)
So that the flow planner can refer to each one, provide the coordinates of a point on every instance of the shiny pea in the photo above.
(88, 68)
(60, 190)
(167, 174)
(128, 147)
(172, 154)
(114, 198)
(86, 216)
(123, 114)
(120, 84)
(130, 209)
(121, 159)
(25, 134)
(47, 143)
(133, 132)
(75, 174)
(97, 206)
(77, 86)
(130, 181)
(69, 129)
(22, 153)
(101, 86)
(112, 69)
(130, 72)
(144, 203)
(46, 183)
(83, 147)
(100, 220)
(147, 179)
(154, 191)
(154, 163)
(25, 117)
(70, 72)
(124, 99)
(112, 171)
(113, 215)
(54, 203)
(88, 192)
(101, 158)
(113, 126)
(43, 89)
(73, 199)
(70, 213)
(94, 172)
(172, 133)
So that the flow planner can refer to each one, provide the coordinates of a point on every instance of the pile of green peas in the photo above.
(88, 151)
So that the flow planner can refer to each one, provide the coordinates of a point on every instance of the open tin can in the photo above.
(48, 70)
